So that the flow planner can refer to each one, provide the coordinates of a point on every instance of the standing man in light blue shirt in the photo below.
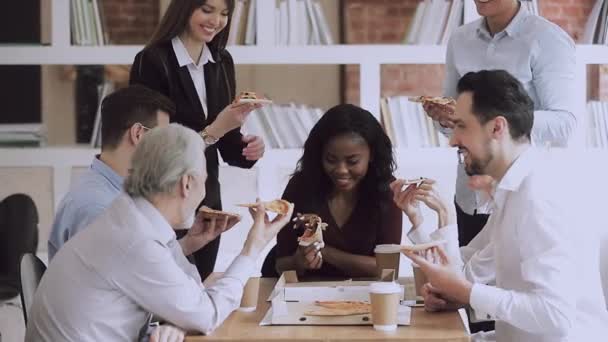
(540, 55)
(125, 116)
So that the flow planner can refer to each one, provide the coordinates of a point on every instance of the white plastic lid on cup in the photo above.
(387, 249)
(384, 288)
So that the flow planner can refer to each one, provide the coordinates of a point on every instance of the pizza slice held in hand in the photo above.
(313, 229)
(439, 100)
(279, 206)
(209, 213)
(250, 97)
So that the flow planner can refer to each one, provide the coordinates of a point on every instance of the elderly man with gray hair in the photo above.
(103, 284)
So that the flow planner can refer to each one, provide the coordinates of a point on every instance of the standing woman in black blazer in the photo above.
(187, 61)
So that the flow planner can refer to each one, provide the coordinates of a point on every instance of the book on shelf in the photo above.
(283, 126)
(22, 135)
(104, 90)
(434, 21)
(596, 28)
(407, 125)
(597, 113)
(86, 22)
(296, 22)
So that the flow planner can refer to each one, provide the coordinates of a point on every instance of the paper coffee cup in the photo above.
(387, 257)
(249, 301)
(384, 297)
(419, 279)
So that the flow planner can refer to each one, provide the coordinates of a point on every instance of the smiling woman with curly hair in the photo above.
(343, 176)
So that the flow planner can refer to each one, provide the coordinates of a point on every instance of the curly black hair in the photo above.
(342, 120)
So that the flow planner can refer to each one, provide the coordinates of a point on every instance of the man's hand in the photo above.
(404, 200)
(447, 283)
(167, 333)
(255, 147)
(205, 229)
(443, 114)
(309, 258)
(433, 301)
(263, 230)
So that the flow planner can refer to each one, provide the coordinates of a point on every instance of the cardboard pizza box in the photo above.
(291, 299)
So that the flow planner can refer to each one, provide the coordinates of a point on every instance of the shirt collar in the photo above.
(183, 58)
(106, 171)
(511, 29)
(518, 171)
(160, 228)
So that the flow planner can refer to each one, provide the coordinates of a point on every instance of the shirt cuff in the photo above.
(418, 235)
(448, 233)
(485, 301)
(241, 268)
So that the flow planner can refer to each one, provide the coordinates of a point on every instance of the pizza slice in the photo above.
(313, 229)
(210, 213)
(339, 308)
(279, 206)
(250, 97)
(434, 99)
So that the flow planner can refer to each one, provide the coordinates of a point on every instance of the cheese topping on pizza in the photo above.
(313, 228)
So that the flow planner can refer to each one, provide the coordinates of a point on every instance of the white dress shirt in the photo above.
(536, 52)
(104, 282)
(546, 267)
(196, 70)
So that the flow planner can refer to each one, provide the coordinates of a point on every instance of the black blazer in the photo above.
(157, 68)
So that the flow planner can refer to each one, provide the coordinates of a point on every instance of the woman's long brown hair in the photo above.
(176, 19)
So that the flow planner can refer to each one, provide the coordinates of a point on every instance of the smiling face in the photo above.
(491, 8)
(208, 20)
(346, 160)
(473, 139)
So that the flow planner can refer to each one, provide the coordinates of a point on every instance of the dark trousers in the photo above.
(204, 259)
(468, 227)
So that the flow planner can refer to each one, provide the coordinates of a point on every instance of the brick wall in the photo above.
(386, 21)
(130, 21)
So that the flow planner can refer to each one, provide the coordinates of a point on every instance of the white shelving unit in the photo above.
(370, 58)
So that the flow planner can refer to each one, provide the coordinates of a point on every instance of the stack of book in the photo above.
(596, 29)
(282, 126)
(598, 124)
(86, 20)
(296, 22)
(22, 135)
(434, 21)
(407, 124)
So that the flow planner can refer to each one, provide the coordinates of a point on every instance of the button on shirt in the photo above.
(88, 197)
(103, 283)
(541, 56)
(196, 70)
(547, 277)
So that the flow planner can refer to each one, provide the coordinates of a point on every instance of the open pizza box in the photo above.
(293, 301)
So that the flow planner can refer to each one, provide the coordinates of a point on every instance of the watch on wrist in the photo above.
(208, 138)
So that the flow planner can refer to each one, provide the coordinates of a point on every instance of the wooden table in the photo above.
(424, 326)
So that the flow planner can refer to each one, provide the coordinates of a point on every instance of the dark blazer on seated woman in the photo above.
(157, 67)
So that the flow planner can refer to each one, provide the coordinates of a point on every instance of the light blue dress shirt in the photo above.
(541, 56)
(88, 197)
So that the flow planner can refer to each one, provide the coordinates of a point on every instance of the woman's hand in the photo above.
(427, 194)
(405, 201)
(308, 258)
(233, 116)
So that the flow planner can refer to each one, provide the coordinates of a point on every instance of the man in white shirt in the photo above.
(546, 269)
(532, 49)
(103, 283)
